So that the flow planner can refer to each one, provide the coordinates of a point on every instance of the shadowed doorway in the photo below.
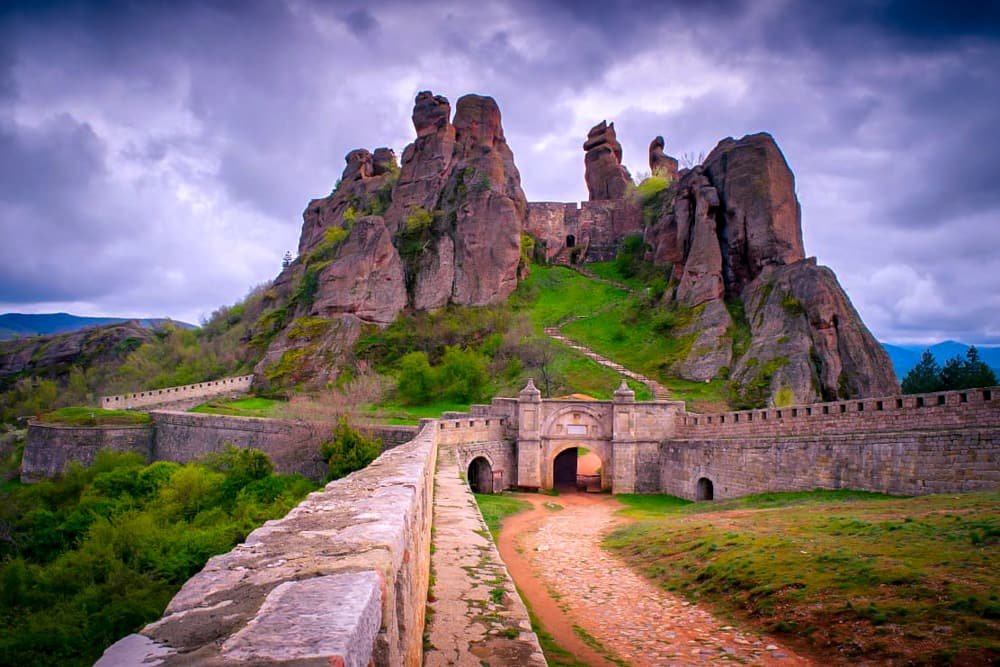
(564, 470)
(480, 475)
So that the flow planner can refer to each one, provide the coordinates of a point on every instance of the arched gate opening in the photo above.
(480, 475)
(704, 490)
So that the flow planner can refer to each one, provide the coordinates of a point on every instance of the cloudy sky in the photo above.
(155, 158)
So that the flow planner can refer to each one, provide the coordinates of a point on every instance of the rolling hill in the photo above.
(18, 325)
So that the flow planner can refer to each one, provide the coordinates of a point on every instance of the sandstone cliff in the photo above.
(781, 326)
(442, 228)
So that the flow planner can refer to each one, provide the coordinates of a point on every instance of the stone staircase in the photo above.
(659, 392)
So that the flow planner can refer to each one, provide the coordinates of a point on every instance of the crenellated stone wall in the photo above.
(944, 442)
(168, 395)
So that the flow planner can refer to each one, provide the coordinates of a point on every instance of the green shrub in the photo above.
(419, 220)
(463, 375)
(348, 450)
(416, 380)
(792, 305)
(96, 554)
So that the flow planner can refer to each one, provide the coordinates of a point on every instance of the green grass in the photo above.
(495, 507)
(552, 294)
(244, 407)
(838, 571)
(609, 271)
(392, 412)
(84, 416)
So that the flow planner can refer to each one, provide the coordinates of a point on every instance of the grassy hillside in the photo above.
(853, 575)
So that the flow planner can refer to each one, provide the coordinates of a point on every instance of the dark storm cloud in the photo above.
(155, 158)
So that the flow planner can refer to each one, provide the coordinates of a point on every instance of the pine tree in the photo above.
(924, 377)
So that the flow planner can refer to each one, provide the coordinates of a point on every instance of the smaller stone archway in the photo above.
(570, 241)
(480, 475)
(704, 490)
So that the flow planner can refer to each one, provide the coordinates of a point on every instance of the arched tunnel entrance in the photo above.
(480, 475)
(705, 490)
(576, 468)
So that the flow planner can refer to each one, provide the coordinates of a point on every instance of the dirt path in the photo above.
(572, 584)
(475, 614)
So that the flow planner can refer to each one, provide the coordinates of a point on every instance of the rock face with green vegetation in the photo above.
(444, 228)
(50, 356)
(782, 327)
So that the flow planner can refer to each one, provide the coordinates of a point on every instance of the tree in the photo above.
(540, 354)
(965, 373)
(957, 373)
(349, 450)
(924, 377)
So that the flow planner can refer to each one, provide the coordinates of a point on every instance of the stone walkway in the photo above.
(659, 392)
(475, 616)
(632, 619)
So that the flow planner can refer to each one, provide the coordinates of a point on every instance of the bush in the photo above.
(630, 255)
(463, 375)
(348, 451)
(96, 554)
(416, 380)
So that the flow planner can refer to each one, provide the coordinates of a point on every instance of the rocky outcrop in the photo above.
(470, 246)
(661, 164)
(442, 228)
(762, 222)
(732, 231)
(53, 356)
(606, 177)
(807, 340)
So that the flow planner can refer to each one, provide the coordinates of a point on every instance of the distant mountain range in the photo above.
(17, 325)
(905, 357)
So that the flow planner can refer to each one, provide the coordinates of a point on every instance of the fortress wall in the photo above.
(950, 460)
(293, 447)
(472, 437)
(150, 397)
(341, 580)
(51, 447)
(597, 226)
(949, 409)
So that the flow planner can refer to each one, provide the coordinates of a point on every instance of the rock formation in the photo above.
(442, 228)
(605, 175)
(52, 356)
(661, 164)
(733, 231)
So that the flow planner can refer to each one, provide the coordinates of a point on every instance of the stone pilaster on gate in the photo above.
(529, 442)
(623, 440)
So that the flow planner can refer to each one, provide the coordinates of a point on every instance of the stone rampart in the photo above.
(916, 462)
(293, 446)
(948, 409)
(944, 442)
(485, 436)
(150, 397)
(341, 580)
(51, 447)
(595, 227)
